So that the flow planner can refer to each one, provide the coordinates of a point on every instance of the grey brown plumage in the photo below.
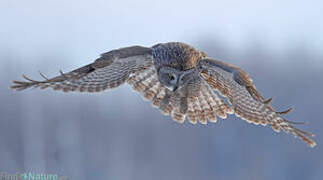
(196, 100)
(247, 102)
(109, 71)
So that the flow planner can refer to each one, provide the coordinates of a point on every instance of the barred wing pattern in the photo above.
(110, 70)
(234, 84)
(201, 107)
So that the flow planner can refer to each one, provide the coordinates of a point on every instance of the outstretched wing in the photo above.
(110, 70)
(234, 84)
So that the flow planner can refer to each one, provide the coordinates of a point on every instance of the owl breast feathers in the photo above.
(180, 81)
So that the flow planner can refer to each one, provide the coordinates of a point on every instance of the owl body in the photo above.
(181, 81)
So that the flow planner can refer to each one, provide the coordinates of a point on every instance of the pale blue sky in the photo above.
(115, 134)
(98, 25)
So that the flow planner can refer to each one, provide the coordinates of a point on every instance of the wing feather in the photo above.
(147, 83)
(109, 71)
(200, 106)
(211, 106)
(191, 114)
(248, 104)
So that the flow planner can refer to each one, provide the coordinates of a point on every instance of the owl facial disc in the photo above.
(174, 79)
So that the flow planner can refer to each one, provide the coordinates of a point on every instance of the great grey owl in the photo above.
(179, 80)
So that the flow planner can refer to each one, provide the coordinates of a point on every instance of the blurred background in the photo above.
(117, 135)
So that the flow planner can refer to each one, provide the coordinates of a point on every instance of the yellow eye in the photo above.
(171, 76)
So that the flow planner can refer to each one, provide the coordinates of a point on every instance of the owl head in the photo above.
(175, 63)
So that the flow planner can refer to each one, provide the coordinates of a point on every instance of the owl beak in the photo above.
(172, 88)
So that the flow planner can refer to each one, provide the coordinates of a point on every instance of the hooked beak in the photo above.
(172, 88)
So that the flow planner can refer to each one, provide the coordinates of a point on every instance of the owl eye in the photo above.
(171, 76)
